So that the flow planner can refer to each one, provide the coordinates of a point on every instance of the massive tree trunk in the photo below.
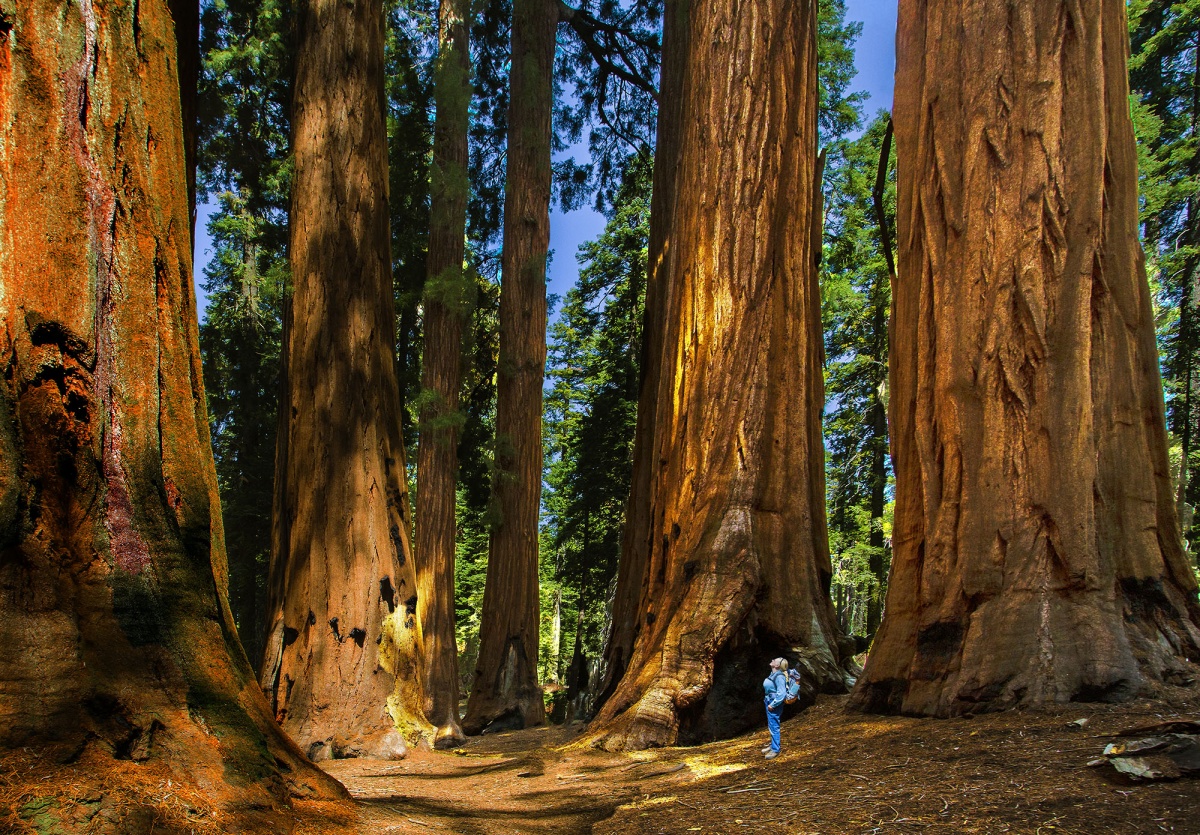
(448, 294)
(635, 537)
(737, 567)
(1037, 555)
(116, 639)
(506, 684)
(342, 664)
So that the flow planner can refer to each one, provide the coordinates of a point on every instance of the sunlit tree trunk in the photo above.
(448, 294)
(506, 684)
(635, 537)
(737, 567)
(116, 638)
(1037, 555)
(342, 663)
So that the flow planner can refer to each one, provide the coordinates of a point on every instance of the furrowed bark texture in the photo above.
(447, 305)
(116, 639)
(342, 664)
(738, 566)
(635, 537)
(506, 685)
(1037, 556)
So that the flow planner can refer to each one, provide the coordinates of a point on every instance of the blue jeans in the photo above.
(773, 717)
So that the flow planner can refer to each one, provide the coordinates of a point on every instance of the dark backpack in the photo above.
(792, 689)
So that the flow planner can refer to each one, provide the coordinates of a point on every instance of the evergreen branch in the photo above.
(590, 31)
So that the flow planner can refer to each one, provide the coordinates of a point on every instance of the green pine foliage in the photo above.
(243, 163)
(590, 413)
(855, 302)
(246, 282)
(839, 110)
(409, 46)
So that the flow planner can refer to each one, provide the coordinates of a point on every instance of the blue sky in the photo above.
(874, 59)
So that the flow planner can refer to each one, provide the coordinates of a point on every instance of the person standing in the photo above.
(775, 688)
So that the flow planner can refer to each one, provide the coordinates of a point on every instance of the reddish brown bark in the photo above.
(342, 665)
(506, 684)
(116, 639)
(737, 566)
(447, 304)
(635, 537)
(1037, 555)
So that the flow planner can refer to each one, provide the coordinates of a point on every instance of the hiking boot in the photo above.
(767, 750)
(772, 754)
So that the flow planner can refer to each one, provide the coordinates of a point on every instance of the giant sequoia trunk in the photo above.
(1037, 555)
(342, 664)
(116, 639)
(635, 542)
(447, 305)
(506, 684)
(737, 566)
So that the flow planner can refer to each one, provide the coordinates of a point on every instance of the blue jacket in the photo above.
(775, 686)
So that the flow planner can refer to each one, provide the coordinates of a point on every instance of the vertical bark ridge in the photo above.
(343, 655)
(116, 640)
(1037, 554)
(635, 537)
(506, 673)
(447, 306)
(737, 567)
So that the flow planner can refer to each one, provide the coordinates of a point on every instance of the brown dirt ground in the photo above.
(1018, 772)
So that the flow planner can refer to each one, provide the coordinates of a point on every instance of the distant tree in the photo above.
(119, 641)
(411, 32)
(856, 297)
(243, 151)
(1037, 555)
(1165, 76)
(449, 294)
(506, 682)
(246, 281)
(591, 410)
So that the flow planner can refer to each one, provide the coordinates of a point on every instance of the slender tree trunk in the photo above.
(116, 639)
(448, 294)
(343, 653)
(1037, 555)
(555, 672)
(738, 565)
(878, 445)
(636, 535)
(506, 682)
(1187, 311)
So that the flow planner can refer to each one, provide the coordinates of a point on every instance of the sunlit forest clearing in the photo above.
(848, 487)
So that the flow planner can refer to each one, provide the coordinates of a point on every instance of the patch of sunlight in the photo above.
(650, 801)
(704, 766)
(881, 725)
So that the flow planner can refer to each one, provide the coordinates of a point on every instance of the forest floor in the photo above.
(1020, 772)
